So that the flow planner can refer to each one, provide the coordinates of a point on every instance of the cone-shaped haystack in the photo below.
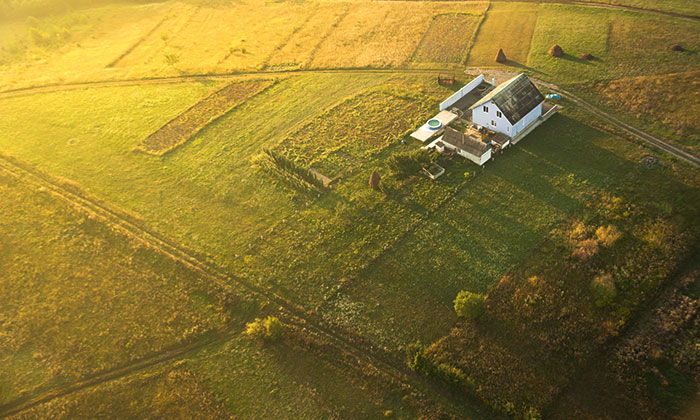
(587, 56)
(374, 179)
(501, 56)
(676, 47)
(556, 51)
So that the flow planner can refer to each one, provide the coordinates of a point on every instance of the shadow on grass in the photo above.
(517, 65)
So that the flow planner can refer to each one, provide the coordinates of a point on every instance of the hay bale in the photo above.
(374, 180)
(587, 56)
(501, 56)
(676, 47)
(556, 51)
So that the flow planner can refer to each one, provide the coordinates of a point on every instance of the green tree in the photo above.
(469, 305)
(268, 329)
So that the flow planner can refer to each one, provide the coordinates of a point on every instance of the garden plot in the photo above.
(447, 38)
(187, 124)
(508, 26)
(354, 131)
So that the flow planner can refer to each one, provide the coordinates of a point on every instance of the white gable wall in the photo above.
(484, 119)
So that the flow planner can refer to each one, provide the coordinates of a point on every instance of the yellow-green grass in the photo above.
(508, 26)
(187, 124)
(667, 105)
(447, 39)
(638, 45)
(683, 7)
(101, 36)
(239, 379)
(204, 193)
(298, 49)
(165, 392)
(497, 219)
(81, 298)
(578, 30)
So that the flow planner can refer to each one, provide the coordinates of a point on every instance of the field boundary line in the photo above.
(136, 44)
(378, 357)
(476, 32)
(331, 29)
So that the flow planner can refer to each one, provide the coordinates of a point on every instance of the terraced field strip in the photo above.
(447, 38)
(178, 130)
(508, 26)
(354, 346)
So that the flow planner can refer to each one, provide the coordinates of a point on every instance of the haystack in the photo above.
(501, 56)
(556, 51)
(374, 180)
(587, 56)
(676, 47)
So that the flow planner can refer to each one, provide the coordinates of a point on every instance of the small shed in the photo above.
(465, 146)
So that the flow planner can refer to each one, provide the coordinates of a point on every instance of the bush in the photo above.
(607, 235)
(408, 163)
(443, 372)
(604, 290)
(532, 414)
(469, 305)
(268, 329)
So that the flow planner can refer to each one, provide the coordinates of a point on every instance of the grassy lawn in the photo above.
(495, 222)
(80, 298)
(509, 26)
(578, 30)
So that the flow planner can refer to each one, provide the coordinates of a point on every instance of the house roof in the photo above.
(465, 142)
(515, 97)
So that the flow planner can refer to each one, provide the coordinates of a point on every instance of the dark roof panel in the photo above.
(464, 142)
(515, 98)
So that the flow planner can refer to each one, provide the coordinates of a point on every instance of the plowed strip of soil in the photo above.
(181, 128)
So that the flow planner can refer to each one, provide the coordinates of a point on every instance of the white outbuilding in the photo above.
(464, 145)
(510, 108)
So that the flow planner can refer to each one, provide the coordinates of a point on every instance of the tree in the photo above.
(268, 329)
(469, 305)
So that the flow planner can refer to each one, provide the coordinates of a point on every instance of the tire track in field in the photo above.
(136, 44)
(380, 359)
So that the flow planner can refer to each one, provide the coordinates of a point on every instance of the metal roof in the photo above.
(464, 142)
(515, 98)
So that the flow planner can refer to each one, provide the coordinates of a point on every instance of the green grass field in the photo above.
(355, 274)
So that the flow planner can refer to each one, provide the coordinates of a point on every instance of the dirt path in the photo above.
(356, 347)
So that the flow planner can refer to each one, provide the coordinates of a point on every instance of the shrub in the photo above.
(171, 59)
(469, 305)
(607, 235)
(268, 329)
(532, 414)
(604, 290)
(586, 249)
(419, 362)
(408, 163)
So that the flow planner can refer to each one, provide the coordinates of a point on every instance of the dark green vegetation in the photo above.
(559, 280)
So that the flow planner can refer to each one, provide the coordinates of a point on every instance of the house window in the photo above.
(486, 109)
(508, 129)
(498, 114)
(493, 123)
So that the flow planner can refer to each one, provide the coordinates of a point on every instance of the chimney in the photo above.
(493, 81)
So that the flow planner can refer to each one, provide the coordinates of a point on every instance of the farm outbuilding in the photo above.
(464, 145)
(510, 108)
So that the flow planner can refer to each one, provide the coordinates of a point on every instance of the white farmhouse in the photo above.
(510, 108)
